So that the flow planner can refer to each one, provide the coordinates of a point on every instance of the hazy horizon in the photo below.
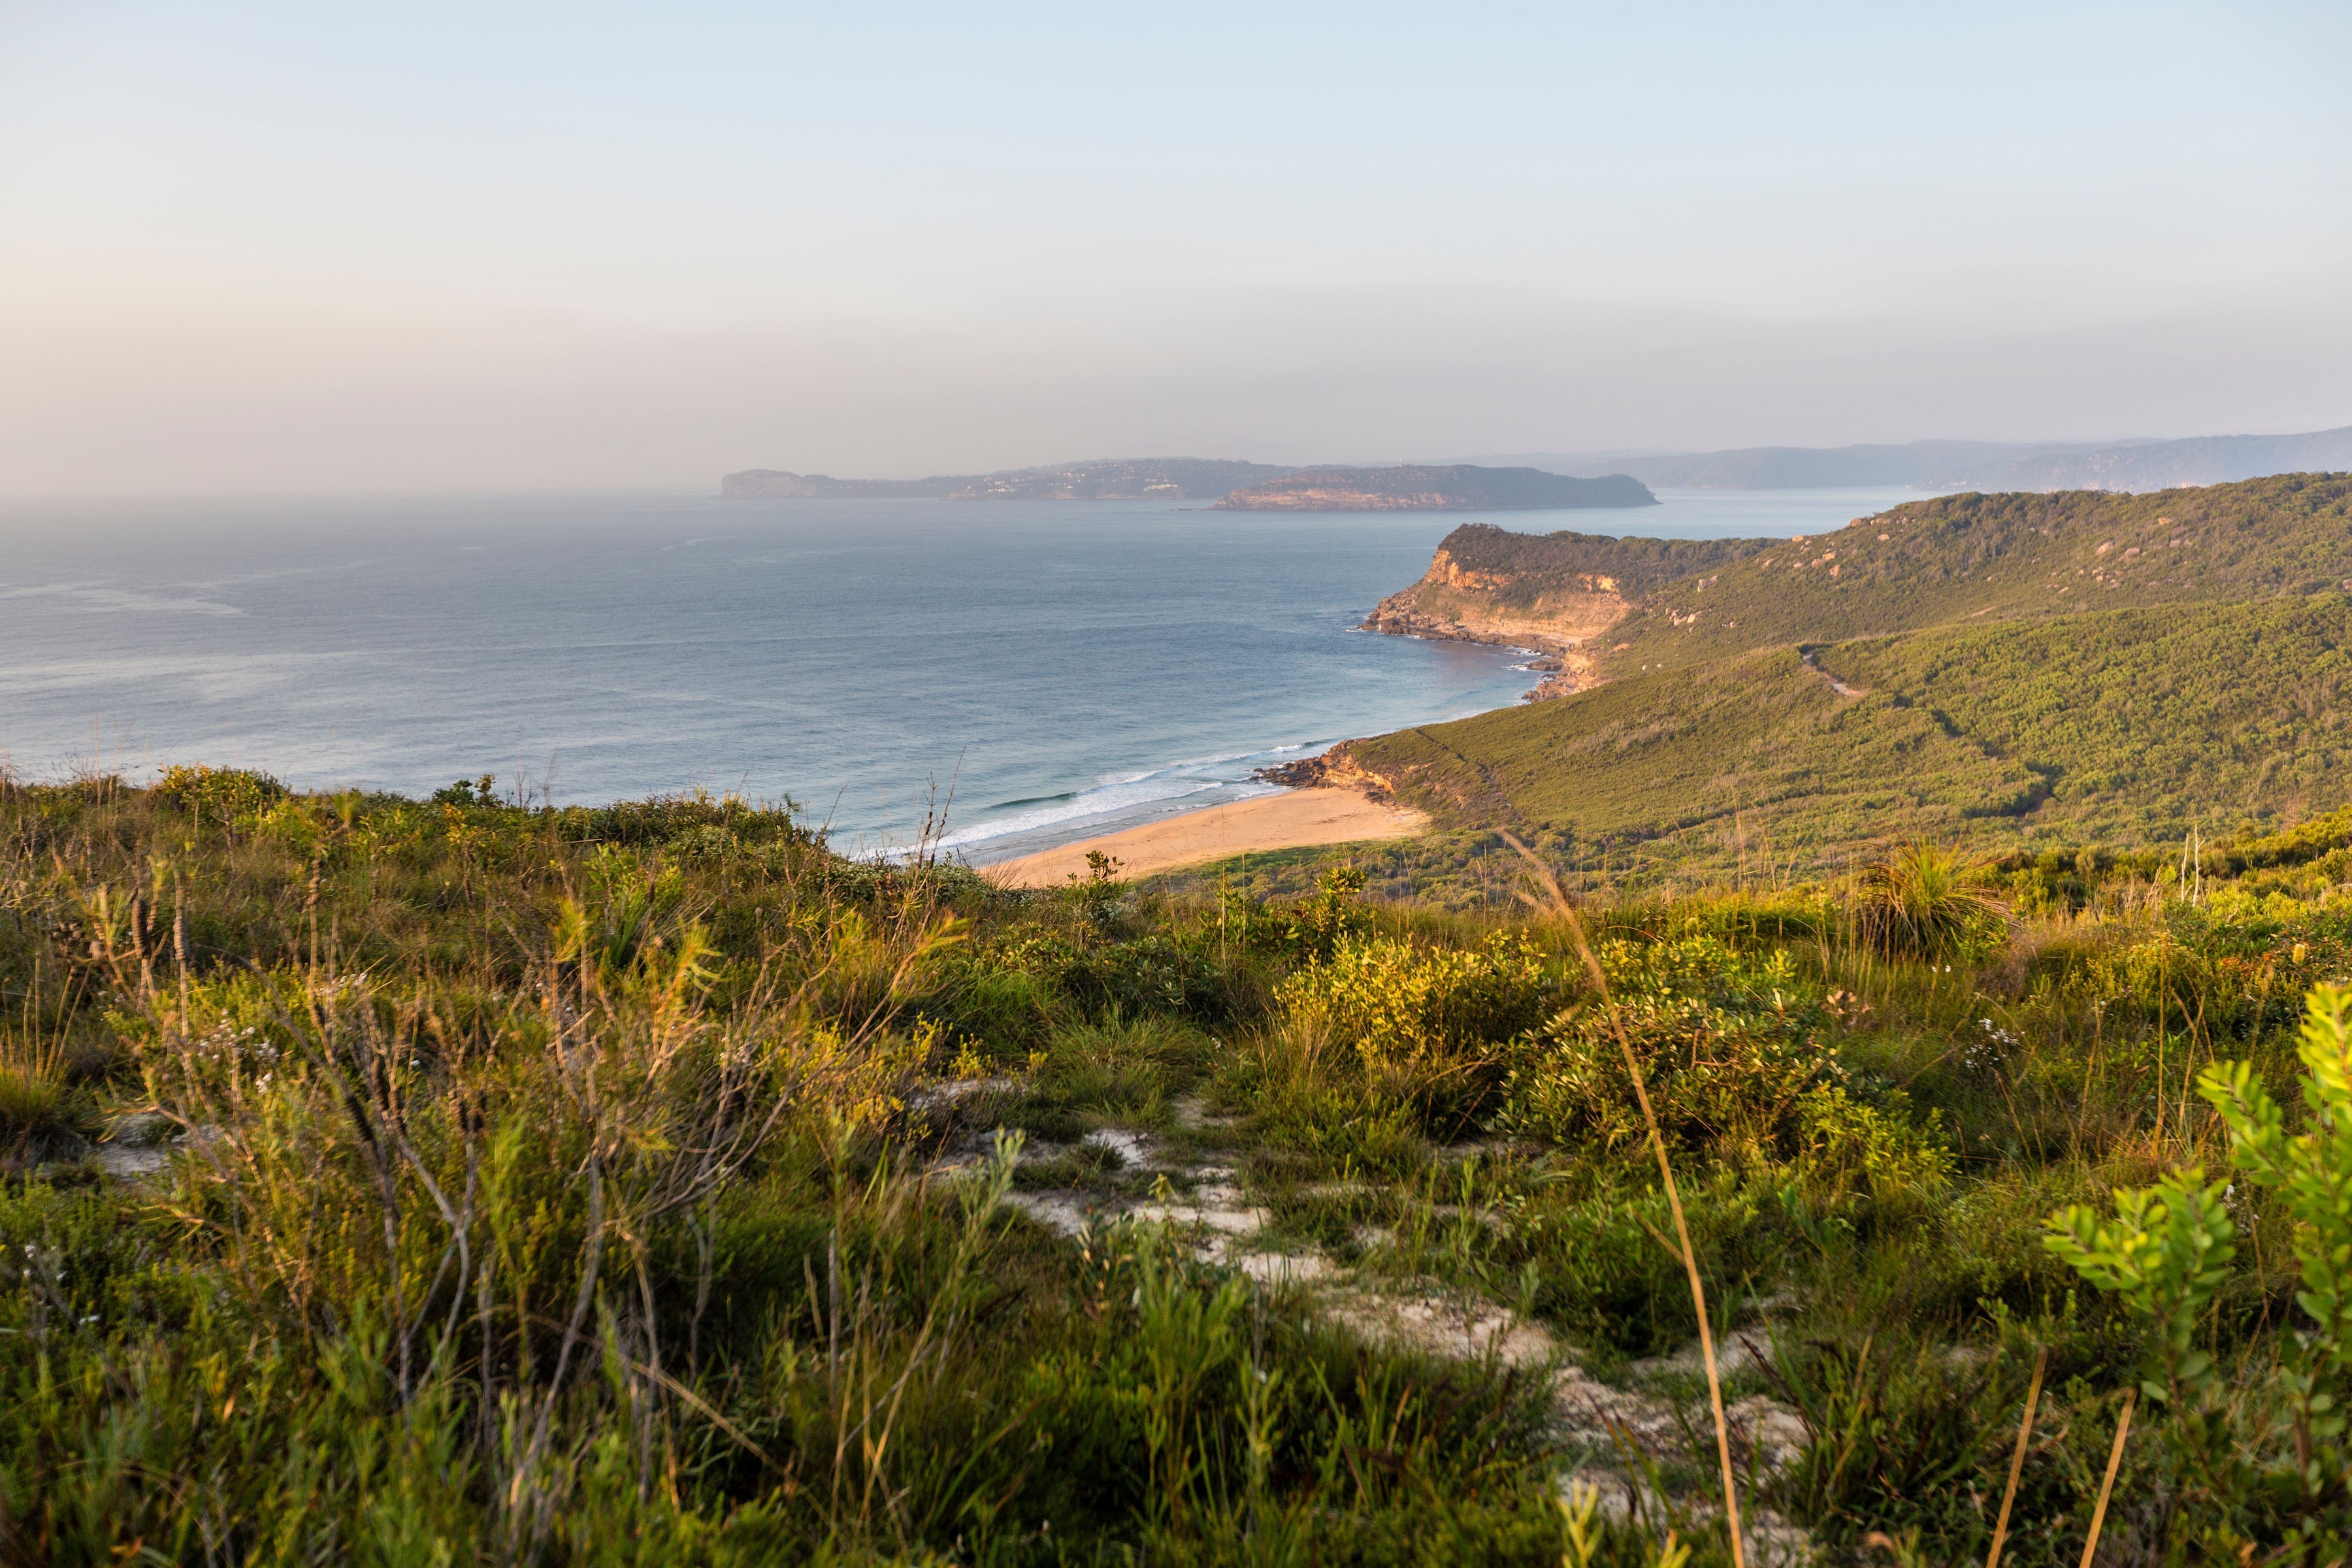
(273, 250)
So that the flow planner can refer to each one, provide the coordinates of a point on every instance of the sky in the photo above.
(266, 247)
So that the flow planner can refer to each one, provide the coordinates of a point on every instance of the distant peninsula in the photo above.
(1120, 478)
(1415, 487)
(1244, 487)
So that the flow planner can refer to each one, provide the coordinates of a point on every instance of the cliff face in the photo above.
(1421, 488)
(1556, 594)
(1455, 604)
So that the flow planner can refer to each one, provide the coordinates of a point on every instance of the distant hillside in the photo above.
(1425, 488)
(1914, 463)
(1973, 465)
(1809, 467)
(2100, 667)
(1968, 557)
(1125, 478)
(2111, 727)
(778, 484)
(2161, 465)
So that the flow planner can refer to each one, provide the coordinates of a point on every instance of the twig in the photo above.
(2114, 1463)
(1567, 911)
(2017, 1460)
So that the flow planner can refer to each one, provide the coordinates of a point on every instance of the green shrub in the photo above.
(228, 796)
(1423, 1023)
(1727, 1054)
(41, 1117)
(1922, 900)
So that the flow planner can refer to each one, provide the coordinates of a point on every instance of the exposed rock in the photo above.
(1553, 595)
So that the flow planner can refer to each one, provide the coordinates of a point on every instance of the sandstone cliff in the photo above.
(1556, 595)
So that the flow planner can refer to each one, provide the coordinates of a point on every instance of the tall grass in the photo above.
(563, 1186)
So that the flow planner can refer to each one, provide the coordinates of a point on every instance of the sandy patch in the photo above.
(1294, 818)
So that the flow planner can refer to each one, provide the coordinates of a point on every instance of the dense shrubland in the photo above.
(2085, 669)
(647, 1182)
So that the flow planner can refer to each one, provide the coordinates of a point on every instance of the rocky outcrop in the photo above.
(1555, 595)
(1453, 793)
(1458, 604)
(1335, 769)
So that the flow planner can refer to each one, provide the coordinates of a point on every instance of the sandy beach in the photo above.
(1290, 820)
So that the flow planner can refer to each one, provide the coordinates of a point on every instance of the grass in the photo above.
(648, 1183)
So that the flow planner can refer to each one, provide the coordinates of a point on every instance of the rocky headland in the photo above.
(1554, 594)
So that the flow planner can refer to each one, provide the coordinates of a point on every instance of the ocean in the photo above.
(1039, 672)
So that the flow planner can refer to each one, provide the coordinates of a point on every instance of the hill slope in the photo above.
(1972, 557)
(2082, 667)
(2157, 465)
(2114, 727)
(1823, 468)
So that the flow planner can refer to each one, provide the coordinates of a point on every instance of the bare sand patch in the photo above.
(1291, 820)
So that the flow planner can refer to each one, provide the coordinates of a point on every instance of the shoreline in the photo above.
(1293, 819)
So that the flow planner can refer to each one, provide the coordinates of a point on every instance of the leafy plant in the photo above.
(1424, 1022)
(1924, 900)
(1725, 1050)
(2166, 1252)
(2311, 1172)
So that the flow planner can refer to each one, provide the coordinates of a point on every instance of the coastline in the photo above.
(1293, 819)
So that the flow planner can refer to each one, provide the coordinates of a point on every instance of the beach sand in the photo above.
(1294, 818)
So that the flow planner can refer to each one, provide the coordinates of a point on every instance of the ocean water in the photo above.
(1040, 671)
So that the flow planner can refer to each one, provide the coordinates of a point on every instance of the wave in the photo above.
(1140, 795)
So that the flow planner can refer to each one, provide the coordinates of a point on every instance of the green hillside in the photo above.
(2003, 557)
(1525, 568)
(2121, 727)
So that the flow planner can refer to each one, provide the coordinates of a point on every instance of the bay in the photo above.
(1040, 671)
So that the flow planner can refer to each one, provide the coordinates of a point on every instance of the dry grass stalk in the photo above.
(2017, 1460)
(1557, 902)
(2114, 1463)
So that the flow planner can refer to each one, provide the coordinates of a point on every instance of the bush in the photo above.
(40, 1116)
(1727, 1055)
(1424, 1024)
(1926, 901)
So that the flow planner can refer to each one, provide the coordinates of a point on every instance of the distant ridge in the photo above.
(2022, 668)
(1120, 478)
(1416, 487)
(1532, 480)
(1810, 468)
(1986, 466)
(2162, 465)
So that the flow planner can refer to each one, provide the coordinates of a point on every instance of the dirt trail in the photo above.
(1596, 1423)
(1840, 687)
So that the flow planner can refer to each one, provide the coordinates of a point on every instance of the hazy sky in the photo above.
(256, 247)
